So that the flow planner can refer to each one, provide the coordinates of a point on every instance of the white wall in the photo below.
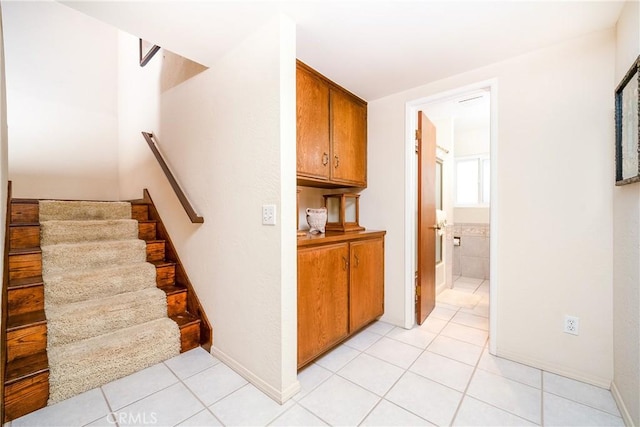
(554, 219)
(626, 249)
(229, 135)
(61, 94)
(3, 159)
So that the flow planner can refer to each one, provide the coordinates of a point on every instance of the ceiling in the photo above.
(373, 48)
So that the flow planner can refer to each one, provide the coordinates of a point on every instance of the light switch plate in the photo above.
(268, 214)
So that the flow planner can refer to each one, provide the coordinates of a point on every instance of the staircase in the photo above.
(24, 357)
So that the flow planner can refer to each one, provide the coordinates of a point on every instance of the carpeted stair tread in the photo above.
(74, 286)
(83, 210)
(85, 319)
(56, 231)
(106, 316)
(91, 255)
(120, 354)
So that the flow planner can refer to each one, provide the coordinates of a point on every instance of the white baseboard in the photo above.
(555, 369)
(626, 417)
(280, 396)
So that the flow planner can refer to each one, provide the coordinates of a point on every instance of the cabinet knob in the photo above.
(346, 263)
(325, 159)
(357, 260)
(337, 161)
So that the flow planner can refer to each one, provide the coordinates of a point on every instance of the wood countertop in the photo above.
(337, 236)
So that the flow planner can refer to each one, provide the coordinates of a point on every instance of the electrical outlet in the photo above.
(571, 324)
(268, 214)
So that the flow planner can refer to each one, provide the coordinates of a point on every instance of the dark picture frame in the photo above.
(147, 50)
(627, 100)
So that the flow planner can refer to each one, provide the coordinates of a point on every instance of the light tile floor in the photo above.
(439, 373)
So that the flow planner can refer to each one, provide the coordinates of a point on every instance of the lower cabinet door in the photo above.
(367, 282)
(323, 300)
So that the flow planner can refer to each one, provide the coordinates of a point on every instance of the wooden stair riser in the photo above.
(155, 250)
(22, 213)
(189, 337)
(26, 341)
(140, 212)
(176, 302)
(24, 236)
(147, 230)
(25, 265)
(165, 275)
(25, 300)
(26, 395)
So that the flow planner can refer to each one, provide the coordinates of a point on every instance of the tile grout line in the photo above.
(464, 393)
(181, 381)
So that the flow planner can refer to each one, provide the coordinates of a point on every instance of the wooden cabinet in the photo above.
(331, 133)
(366, 283)
(340, 288)
(323, 302)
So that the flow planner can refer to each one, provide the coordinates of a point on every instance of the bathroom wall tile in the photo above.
(472, 267)
(475, 246)
(456, 261)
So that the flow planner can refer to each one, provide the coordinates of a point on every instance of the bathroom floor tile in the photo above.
(470, 281)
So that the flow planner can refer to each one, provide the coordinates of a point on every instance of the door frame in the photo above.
(411, 183)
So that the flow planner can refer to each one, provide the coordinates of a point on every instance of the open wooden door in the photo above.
(426, 262)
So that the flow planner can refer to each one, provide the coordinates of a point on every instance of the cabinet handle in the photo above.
(337, 161)
(325, 159)
(346, 263)
(357, 260)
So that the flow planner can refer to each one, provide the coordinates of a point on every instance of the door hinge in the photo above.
(418, 134)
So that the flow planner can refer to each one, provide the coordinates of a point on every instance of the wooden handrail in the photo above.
(193, 216)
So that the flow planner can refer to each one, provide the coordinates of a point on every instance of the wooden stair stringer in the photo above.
(145, 211)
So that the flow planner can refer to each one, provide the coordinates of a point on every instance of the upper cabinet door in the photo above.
(313, 144)
(349, 139)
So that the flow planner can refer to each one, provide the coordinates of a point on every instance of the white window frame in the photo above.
(480, 158)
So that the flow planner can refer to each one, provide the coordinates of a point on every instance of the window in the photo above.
(472, 177)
